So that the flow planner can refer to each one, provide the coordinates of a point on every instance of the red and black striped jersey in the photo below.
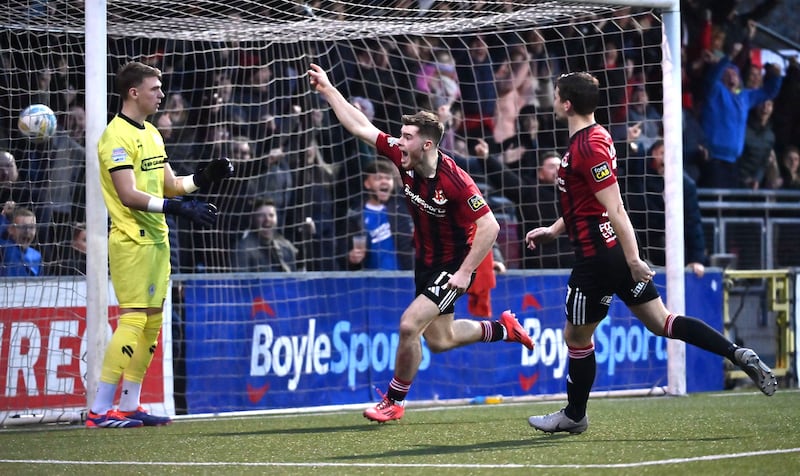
(590, 165)
(444, 208)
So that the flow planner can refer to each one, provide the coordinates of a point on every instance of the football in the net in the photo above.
(37, 122)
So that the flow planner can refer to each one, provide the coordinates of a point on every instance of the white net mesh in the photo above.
(234, 76)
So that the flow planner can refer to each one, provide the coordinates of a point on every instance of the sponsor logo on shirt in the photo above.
(601, 172)
(153, 163)
(422, 204)
(476, 202)
(393, 141)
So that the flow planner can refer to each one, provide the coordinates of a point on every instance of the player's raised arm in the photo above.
(349, 116)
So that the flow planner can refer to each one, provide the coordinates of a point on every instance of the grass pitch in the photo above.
(727, 433)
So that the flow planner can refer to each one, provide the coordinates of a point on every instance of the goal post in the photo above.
(234, 76)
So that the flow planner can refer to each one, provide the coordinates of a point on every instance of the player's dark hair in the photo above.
(132, 74)
(581, 89)
(428, 123)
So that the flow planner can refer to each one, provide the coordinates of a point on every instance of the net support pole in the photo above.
(673, 191)
(96, 214)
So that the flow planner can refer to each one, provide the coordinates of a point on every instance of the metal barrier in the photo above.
(776, 292)
(760, 227)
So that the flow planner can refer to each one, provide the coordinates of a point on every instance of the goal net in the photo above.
(305, 329)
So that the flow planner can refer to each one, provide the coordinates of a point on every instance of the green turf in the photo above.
(728, 433)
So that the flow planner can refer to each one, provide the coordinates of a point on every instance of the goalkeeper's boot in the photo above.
(146, 418)
(111, 419)
(757, 370)
(386, 410)
(559, 421)
(514, 331)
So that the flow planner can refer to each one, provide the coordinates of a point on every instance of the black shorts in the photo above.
(595, 280)
(429, 282)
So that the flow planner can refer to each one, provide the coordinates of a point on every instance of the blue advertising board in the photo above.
(293, 341)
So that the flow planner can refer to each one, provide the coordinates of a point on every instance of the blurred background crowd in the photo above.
(307, 196)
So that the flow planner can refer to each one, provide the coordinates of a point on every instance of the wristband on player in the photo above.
(155, 205)
(189, 184)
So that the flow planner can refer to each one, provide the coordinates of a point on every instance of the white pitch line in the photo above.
(408, 465)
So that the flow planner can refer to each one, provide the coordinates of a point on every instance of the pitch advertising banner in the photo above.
(289, 342)
(43, 349)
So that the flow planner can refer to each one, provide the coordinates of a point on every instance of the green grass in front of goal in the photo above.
(715, 433)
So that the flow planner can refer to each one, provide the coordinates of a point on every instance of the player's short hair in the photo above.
(132, 74)
(428, 123)
(581, 89)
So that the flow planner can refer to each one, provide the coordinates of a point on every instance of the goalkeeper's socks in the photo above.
(699, 334)
(129, 399)
(104, 398)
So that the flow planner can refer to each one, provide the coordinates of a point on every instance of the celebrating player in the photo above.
(607, 260)
(135, 177)
(454, 229)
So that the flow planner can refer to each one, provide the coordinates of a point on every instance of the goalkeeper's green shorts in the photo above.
(139, 272)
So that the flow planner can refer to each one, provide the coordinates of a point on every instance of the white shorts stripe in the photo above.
(578, 299)
(448, 299)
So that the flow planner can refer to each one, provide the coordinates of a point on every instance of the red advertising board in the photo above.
(41, 364)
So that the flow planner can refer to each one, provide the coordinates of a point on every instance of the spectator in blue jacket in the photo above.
(381, 223)
(17, 258)
(724, 119)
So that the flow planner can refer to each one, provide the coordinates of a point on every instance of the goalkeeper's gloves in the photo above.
(212, 172)
(200, 213)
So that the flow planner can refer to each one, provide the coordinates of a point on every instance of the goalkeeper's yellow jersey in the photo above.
(126, 144)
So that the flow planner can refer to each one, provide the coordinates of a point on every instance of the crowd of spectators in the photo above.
(304, 191)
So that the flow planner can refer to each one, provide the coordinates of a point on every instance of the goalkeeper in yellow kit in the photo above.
(136, 179)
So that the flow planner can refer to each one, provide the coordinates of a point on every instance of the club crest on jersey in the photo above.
(601, 172)
(439, 198)
(565, 160)
(476, 202)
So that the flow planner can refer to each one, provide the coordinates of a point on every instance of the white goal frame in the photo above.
(96, 111)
